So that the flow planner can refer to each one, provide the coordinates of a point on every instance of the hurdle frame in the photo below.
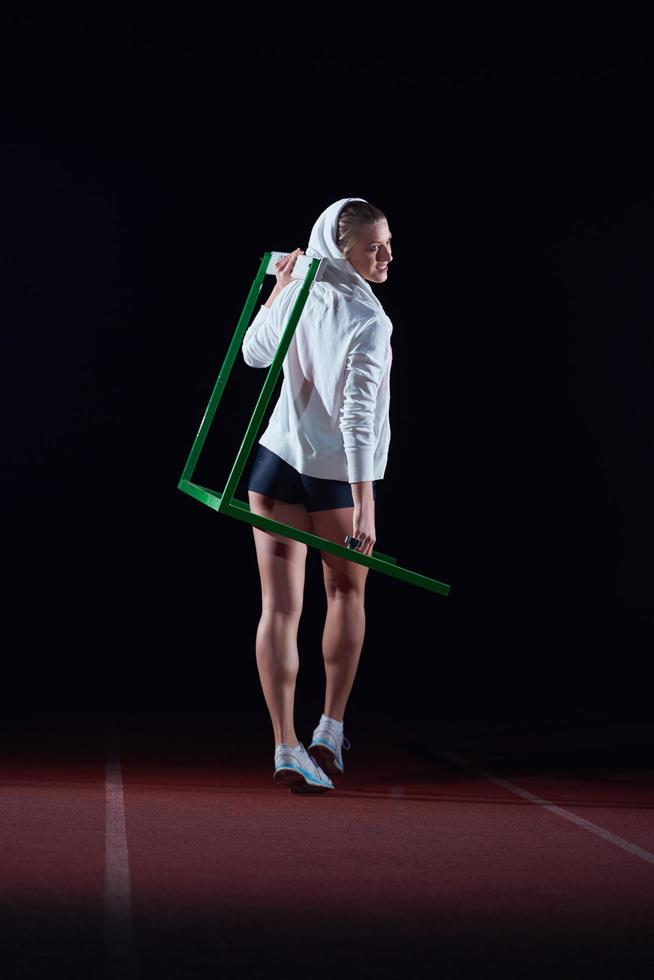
(224, 502)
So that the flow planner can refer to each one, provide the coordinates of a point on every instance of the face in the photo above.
(371, 255)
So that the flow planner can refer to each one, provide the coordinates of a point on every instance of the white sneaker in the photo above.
(298, 770)
(326, 746)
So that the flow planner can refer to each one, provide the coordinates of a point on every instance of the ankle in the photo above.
(334, 723)
(291, 742)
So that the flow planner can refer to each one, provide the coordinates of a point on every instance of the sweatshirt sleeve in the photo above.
(365, 366)
(261, 338)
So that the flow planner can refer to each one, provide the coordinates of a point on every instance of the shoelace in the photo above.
(346, 741)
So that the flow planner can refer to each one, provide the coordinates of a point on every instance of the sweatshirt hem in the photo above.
(322, 467)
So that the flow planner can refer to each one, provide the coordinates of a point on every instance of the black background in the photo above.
(147, 165)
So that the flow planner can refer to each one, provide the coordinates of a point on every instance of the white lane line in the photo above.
(120, 951)
(593, 828)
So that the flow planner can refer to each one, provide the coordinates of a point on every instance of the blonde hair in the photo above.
(351, 219)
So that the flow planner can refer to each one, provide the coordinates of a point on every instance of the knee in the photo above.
(284, 609)
(345, 590)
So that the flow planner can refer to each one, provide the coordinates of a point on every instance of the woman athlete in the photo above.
(316, 468)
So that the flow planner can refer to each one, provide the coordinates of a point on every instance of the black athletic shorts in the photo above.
(274, 477)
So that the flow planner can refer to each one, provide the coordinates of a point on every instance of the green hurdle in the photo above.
(224, 502)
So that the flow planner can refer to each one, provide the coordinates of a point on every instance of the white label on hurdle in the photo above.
(300, 268)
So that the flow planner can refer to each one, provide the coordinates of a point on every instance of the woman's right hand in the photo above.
(363, 527)
(284, 268)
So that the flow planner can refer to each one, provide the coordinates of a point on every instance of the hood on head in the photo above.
(322, 244)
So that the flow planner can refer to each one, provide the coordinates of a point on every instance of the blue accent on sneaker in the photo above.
(292, 760)
(304, 772)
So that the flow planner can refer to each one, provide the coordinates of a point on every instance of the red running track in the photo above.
(425, 861)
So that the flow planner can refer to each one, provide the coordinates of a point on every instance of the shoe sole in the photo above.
(307, 789)
(325, 759)
(296, 782)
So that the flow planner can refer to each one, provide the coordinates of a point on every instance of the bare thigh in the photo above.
(340, 575)
(281, 560)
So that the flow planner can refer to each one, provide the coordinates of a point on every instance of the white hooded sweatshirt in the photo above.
(332, 416)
